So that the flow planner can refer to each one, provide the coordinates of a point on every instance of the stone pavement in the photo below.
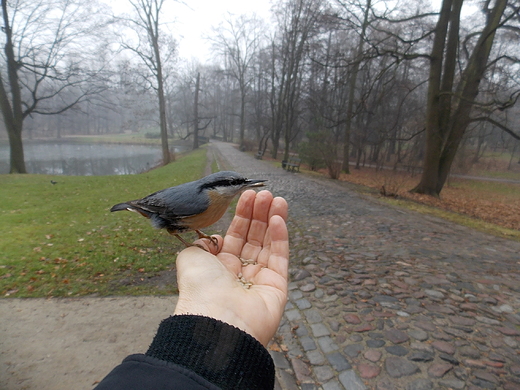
(384, 298)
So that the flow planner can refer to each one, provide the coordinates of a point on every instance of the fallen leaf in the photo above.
(275, 347)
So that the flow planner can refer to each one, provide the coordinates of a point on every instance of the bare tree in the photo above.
(298, 22)
(353, 76)
(196, 116)
(155, 48)
(450, 104)
(48, 66)
(237, 40)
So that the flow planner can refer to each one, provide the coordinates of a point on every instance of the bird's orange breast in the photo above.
(217, 207)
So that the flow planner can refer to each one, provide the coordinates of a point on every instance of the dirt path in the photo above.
(73, 343)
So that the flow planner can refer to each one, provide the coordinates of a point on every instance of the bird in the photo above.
(54, 182)
(191, 206)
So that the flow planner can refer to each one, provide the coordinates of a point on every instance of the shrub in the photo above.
(311, 156)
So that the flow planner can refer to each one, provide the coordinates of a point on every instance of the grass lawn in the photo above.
(126, 138)
(62, 240)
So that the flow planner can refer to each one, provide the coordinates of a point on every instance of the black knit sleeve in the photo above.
(222, 354)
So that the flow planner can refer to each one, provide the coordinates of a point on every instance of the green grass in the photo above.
(509, 175)
(487, 189)
(133, 138)
(62, 240)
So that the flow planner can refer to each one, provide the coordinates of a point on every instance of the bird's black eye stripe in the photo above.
(236, 182)
(225, 183)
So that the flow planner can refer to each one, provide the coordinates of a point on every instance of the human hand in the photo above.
(209, 282)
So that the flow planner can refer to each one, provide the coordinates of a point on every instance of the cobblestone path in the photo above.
(383, 298)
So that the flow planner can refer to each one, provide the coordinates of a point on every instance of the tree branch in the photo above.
(497, 124)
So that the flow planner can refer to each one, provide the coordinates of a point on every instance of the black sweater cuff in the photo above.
(222, 354)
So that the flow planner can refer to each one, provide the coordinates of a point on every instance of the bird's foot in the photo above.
(188, 244)
(211, 238)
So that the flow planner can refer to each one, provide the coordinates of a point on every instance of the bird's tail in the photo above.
(120, 206)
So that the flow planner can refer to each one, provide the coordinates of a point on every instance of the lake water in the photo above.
(84, 159)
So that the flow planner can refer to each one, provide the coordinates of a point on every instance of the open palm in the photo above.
(243, 282)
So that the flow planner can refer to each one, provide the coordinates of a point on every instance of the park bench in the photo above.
(293, 164)
(259, 155)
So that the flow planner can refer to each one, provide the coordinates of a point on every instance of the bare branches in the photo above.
(497, 124)
(49, 65)
(155, 48)
(236, 41)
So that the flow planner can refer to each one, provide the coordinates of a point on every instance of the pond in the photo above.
(65, 158)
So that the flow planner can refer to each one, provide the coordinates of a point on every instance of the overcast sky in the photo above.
(195, 21)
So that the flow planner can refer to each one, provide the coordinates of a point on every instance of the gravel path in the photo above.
(384, 298)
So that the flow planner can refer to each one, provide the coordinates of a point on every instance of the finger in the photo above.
(258, 225)
(279, 256)
(239, 227)
(276, 233)
(279, 207)
(209, 245)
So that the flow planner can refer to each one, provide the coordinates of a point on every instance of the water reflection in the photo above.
(84, 159)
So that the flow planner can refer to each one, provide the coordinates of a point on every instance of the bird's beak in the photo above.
(255, 183)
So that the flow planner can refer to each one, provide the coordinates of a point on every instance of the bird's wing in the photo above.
(172, 203)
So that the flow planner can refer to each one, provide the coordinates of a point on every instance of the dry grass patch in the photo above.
(493, 202)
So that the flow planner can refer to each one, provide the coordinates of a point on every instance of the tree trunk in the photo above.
(162, 105)
(12, 109)
(196, 114)
(434, 112)
(242, 114)
(17, 160)
(352, 88)
(163, 125)
(448, 111)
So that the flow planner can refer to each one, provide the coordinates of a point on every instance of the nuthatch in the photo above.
(191, 206)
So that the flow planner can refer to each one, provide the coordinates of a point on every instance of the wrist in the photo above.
(220, 313)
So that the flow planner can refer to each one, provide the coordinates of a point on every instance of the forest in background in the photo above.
(392, 83)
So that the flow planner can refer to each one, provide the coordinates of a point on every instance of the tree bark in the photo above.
(429, 179)
(448, 108)
(12, 108)
(196, 114)
(352, 88)
(162, 99)
(243, 95)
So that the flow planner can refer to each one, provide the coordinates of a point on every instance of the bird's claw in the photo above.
(214, 240)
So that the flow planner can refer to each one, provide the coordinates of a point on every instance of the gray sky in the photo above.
(194, 21)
